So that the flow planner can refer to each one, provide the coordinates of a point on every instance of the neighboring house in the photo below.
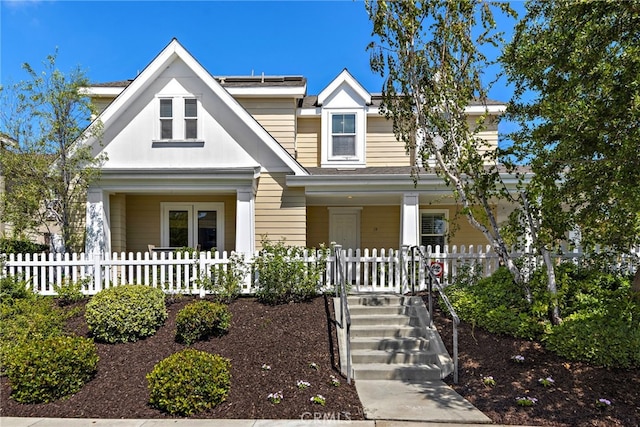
(220, 162)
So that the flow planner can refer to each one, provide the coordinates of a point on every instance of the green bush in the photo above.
(225, 280)
(607, 336)
(15, 246)
(70, 291)
(125, 313)
(189, 381)
(43, 371)
(284, 276)
(200, 320)
(14, 287)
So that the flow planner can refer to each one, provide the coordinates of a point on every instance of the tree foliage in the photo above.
(44, 122)
(575, 66)
(431, 55)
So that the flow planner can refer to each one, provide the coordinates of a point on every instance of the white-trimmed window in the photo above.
(343, 135)
(193, 225)
(190, 118)
(166, 118)
(179, 118)
(433, 227)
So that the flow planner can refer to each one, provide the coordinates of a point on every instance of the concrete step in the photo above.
(375, 300)
(399, 343)
(383, 331)
(361, 310)
(410, 357)
(399, 371)
(384, 320)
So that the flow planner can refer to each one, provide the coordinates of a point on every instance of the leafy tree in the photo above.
(47, 167)
(575, 66)
(430, 54)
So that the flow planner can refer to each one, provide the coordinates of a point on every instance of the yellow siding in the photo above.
(317, 226)
(309, 142)
(460, 231)
(383, 149)
(380, 227)
(118, 217)
(280, 211)
(143, 219)
(489, 134)
(277, 116)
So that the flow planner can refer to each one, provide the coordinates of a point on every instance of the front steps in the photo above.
(391, 339)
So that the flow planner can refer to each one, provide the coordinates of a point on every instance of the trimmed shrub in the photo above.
(200, 320)
(284, 276)
(608, 336)
(125, 313)
(43, 371)
(189, 381)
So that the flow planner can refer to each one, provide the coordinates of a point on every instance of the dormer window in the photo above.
(190, 118)
(343, 135)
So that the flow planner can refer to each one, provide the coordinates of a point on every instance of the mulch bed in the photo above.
(570, 401)
(287, 337)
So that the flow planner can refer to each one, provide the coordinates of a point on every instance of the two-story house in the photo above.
(220, 162)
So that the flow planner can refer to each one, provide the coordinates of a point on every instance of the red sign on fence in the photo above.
(437, 268)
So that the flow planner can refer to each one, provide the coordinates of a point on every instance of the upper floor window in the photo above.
(190, 118)
(166, 119)
(343, 135)
(178, 118)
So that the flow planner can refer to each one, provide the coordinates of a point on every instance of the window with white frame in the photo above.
(433, 228)
(343, 135)
(179, 118)
(195, 225)
(166, 118)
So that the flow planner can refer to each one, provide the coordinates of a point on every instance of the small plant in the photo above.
(226, 280)
(276, 397)
(603, 403)
(189, 381)
(265, 367)
(318, 399)
(518, 358)
(488, 381)
(314, 366)
(334, 381)
(303, 384)
(546, 382)
(200, 320)
(526, 401)
(70, 291)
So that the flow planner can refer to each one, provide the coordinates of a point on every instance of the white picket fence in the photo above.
(383, 270)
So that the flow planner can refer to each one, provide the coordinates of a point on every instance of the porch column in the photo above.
(410, 220)
(98, 234)
(245, 221)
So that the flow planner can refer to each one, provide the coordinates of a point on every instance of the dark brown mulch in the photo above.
(569, 402)
(287, 337)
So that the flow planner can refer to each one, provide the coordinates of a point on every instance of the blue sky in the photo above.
(114, 40)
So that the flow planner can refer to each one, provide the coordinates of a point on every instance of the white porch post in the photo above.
(245, 222)
(98, 233)
(410, 220)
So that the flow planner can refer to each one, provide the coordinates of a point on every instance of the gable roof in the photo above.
(344, 77)
(174, 50)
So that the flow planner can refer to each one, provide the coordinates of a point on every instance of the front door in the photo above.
(195, 225)
(344, 227)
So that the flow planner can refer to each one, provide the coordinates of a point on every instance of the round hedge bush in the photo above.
(200, 320)
(43, 371)
(189, 381)
(125, 313)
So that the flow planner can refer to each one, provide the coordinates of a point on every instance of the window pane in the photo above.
(433, 227)
(190, 129)
(343, 123)
(207, 233)
(166, 108)
(349, 123)
(178, 228)
(190, 108)
(344, 145)
(166, 129)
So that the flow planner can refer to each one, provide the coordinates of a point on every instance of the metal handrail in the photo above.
(433, 281)
(345, 314)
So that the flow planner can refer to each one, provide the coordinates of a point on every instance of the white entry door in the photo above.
(344, 227)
